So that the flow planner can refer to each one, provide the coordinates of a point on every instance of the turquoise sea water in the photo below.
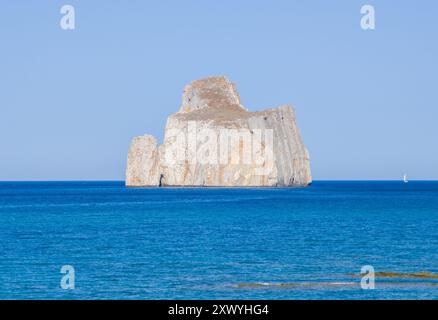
(215, 243)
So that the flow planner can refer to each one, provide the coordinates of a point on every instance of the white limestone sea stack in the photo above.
(213, 141)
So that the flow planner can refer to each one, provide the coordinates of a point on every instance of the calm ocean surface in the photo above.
(214, 243)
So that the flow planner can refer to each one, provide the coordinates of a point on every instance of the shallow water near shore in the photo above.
(219, 243)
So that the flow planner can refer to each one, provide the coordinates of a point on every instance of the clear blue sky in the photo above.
(70, 101)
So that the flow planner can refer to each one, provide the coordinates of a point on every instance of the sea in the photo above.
(101, 240)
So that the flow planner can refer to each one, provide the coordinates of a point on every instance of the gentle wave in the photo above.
(124, 203)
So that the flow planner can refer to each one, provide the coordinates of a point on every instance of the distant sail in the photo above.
(405, 178)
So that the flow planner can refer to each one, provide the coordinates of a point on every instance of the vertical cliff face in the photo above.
(143, 166)
(214, 141)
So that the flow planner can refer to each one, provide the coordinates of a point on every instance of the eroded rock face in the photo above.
(214, 141)
(143, 168)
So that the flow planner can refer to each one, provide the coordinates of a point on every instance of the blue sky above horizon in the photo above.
(70, 101)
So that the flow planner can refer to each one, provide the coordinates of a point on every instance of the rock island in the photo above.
(214, 141)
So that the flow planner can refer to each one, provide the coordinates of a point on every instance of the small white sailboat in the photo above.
(405, 178)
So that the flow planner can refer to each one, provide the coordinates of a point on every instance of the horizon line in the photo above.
(316, 180)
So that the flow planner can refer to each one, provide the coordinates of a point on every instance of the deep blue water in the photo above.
(215, 243)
